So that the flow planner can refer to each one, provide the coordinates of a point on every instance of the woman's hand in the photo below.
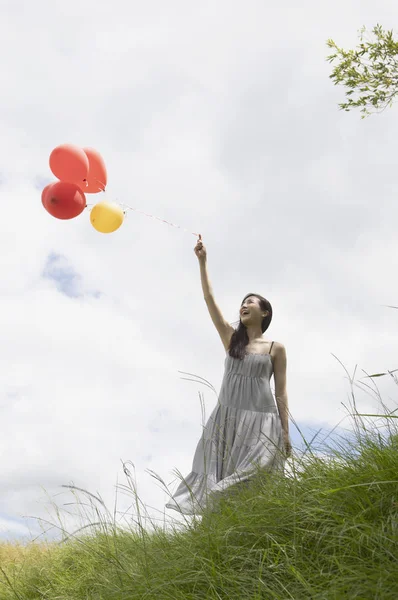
(287, 444)
(200, 250)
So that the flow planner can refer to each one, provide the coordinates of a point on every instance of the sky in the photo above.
(220, 118)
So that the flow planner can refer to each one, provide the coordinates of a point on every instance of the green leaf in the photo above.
(371, 69)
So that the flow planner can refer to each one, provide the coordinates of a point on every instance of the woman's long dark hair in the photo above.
(240, 339)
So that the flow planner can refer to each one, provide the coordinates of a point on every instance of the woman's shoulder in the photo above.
(276, 344)
(277, 347)
(279, 351)
(274, 349)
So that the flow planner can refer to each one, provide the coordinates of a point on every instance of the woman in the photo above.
(245, 427)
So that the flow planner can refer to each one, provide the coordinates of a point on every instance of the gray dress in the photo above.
(244, 428)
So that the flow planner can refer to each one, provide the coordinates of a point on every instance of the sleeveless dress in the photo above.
(244, 428)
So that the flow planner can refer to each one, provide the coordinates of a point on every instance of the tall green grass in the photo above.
(326, 529)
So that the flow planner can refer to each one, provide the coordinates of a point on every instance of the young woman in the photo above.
(245, 427)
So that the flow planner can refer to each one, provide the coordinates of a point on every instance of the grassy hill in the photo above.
(328, 530)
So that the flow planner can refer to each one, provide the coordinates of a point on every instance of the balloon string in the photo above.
(148, 215)
(100, 189)
(163, 221)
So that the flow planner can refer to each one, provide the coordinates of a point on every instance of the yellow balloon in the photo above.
(106, 217)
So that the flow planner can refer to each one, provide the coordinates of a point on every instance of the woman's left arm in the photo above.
(280, 366)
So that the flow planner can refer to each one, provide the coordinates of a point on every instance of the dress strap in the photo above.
(270, 350)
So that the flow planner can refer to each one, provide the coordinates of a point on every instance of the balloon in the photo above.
(97, 176)
(69, 163)
(106, 217)
(63, 200)
(45, 191)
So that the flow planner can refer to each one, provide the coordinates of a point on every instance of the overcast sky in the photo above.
(219, 117)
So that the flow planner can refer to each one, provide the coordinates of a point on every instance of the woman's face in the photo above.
(250, 311)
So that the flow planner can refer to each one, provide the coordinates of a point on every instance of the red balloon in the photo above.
(69, 163)
(63, 200)
(45, 191)
(97, 176)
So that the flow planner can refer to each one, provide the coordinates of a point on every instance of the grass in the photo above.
(328, 530)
